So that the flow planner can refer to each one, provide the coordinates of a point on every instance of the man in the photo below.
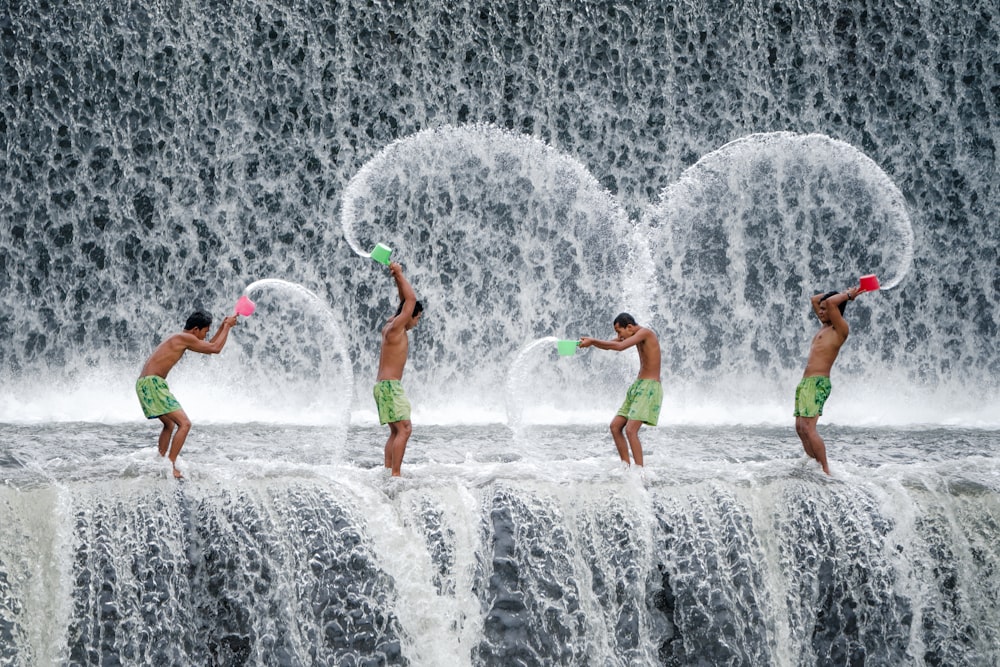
(393, 406)
(642, 402)
(815, 386)
(151, 387)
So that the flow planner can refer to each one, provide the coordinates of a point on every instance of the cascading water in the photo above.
(537, 168)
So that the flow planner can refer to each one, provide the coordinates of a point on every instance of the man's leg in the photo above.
(632, 433)
(401, 434)
(618, 435)
(802, 430)
(812, 443)
(388, 444)
(168, 430)
(180, 420)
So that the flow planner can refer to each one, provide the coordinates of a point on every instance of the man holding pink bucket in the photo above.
(155, 396)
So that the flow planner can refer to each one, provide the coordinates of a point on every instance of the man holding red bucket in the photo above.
(814, 389)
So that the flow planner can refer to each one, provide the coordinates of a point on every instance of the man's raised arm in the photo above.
(406, 294)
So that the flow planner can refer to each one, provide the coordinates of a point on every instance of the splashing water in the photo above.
(584, 388)
(502, 237)
(161, 158)
(754, 229)
(290, 359)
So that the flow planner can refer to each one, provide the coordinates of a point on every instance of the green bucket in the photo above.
(567, 348)
(381, 253)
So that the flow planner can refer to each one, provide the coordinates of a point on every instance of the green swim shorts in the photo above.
(392, 403)
(642, 402)
(155, 397)
(810, 396)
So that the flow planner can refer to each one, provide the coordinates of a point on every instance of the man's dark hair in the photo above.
(623, 320)
(199, 319)
(417, 308)
(842, 305)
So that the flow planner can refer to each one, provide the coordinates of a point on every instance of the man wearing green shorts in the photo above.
(811, 395)
(391, 401)
(814, 388)
(642, 402)
(393, 406)
(154, 395)
(643, 399)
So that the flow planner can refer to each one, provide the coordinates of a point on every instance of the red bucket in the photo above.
(868, 283)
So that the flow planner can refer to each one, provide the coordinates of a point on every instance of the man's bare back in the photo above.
(648, 348)
(169, 352)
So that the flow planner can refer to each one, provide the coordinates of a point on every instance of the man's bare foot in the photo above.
(177, 474)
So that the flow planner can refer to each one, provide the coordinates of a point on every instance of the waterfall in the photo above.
(537, 168)
(161, 158)
(318, 571)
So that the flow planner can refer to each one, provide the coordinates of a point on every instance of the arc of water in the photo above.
(895, 202)
(324, 309)
(516, 374)
(497, 226)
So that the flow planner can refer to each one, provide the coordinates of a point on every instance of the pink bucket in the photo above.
(245, 307)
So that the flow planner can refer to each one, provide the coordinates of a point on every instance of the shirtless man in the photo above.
(815, 386)
(393, 406)
(151, 387)
(642, 402)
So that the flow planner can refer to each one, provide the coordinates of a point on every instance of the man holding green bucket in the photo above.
(393, 406)
(642, 402)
